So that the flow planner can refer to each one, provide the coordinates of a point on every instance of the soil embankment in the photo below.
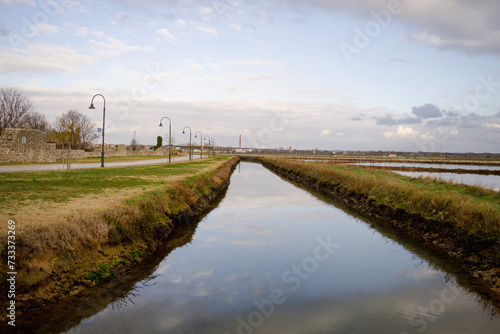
(129, 233)
(475, 251)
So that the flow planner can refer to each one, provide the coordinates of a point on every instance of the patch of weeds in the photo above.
(105, 271)
(138, 253)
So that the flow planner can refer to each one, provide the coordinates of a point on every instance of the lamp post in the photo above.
(201, 143)
(190, 158)
(103, 123)
(209, 138)
(169, 137)
(215, 146)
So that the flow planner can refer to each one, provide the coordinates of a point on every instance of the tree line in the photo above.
(18, 112)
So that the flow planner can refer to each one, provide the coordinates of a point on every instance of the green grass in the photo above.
(62, 186)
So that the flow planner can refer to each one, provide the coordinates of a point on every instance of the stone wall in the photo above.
(109, 151)
(75, 154)
(36, 148)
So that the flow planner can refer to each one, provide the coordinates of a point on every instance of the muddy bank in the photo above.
(139, 229)
(480, 261)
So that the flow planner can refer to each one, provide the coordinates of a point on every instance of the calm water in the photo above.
(485, 181)
(272, 258)
(417, 165)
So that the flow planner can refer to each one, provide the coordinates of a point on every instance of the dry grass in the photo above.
(111, 216)
(472, 213)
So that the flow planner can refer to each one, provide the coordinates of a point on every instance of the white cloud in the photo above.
(165, 35)
(47, 29)
(192, 65)
(207, 31)
(21, 2)
(180, 23)
(406, 131)
(42, 58)
(82, 32)
(340, 134)
(427, 136)
(492, 125)
(235, 26)
(113, 47)
(325, 133)
(443, 24)
(402, 132)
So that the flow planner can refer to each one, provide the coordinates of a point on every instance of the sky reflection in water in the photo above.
(274, 259)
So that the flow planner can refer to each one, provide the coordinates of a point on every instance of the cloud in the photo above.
(207, 31)
(165, 35)
(47, 29)
(122, 16)
(21, 2)
(492, 125)
(422, 113)
(42, 58)
(113, 47)
(402, 132)
(325, 133)
(180, 23)
(441, 24)
(235, 26)
(427, 111)
(393, 120)
(82, 32)
(4, 31)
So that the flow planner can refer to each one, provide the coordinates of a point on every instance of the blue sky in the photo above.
(329, 74)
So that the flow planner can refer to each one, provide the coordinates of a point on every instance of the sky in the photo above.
(414, 75)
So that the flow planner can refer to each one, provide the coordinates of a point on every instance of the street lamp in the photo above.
(209, 138)
(201, 143)
(189, 140)
(215, 146)
(103, 122)
(169, 137)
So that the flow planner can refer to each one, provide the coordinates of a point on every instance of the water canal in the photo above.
(274, 258)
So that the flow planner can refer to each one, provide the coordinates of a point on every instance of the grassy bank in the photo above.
(458, 220)
(77, 228)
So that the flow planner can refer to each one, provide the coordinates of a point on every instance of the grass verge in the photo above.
(74, 245)
(471, 214)
(459, 222)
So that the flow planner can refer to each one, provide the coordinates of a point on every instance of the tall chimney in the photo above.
(240, 141)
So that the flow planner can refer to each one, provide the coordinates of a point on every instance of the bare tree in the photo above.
(134, 143)
(74, 127)
(14, 105)
(36, 120)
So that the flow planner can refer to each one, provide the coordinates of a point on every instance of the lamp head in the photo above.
(92, 106)
(161, 124)
(183, 132)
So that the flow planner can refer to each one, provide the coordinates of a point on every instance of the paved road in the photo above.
(31, 168)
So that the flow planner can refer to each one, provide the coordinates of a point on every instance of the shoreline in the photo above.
(77, 273)
(480, 263)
